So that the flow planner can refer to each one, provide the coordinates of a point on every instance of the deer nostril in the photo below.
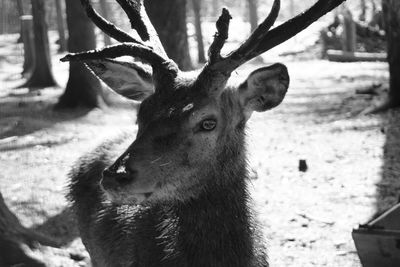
(113, 179)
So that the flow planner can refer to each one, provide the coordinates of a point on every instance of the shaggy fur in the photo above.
(213, 228)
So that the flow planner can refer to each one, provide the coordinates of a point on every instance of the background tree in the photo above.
(216, 9)
(104, 12)
(199, 34)
(28, 41)
(292, 8)
(253, 16)
(20, 8)
(391, 11)
(169, 20)
(83, 88)
(60, 26)
(42, 75)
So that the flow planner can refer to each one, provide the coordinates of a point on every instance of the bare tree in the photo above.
(169, 19)
(83, 88)
(104, 11)
(292, 8)
(60, 26)
(253, 16)
(42, 75)
(20, 7)
(28, 41)
(391, 11)
(199, 34)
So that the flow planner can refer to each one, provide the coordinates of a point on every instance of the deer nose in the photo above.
(112, 179)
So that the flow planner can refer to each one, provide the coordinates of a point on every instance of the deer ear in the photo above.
(264, 89)
(131, 80)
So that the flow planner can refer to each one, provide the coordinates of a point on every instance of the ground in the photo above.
(307, 217)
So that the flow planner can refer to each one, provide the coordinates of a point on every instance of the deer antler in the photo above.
(149, 48)
(218, 69)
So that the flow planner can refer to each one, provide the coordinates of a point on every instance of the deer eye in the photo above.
(208, 124)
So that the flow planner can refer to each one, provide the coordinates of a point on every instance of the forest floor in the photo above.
(307, 217)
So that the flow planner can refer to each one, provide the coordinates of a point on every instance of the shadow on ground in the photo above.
(62, 227)
(24, 114)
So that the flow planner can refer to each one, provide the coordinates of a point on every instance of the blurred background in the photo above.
(323, 162)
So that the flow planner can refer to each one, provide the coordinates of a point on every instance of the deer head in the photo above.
(187, 126)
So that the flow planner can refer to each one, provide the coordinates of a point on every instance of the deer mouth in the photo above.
(117, 187)
(132, 199)
(120, 196)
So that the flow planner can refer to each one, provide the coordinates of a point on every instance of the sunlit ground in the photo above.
(307, 217)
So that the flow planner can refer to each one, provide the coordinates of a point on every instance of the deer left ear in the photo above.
(264, 89)
(128, 79)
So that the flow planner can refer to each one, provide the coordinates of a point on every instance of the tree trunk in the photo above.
(13, 237)
(29, 45)
(253, 16)
(169, 20)
(199, 34)
(391, 11)
(83, 88)
(104, 12)
(42, 75)
(60, 27)
(292, 9)
(20, 8)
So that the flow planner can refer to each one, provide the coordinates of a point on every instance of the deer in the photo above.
(177, 193)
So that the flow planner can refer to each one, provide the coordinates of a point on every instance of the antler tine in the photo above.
(263, 40)
(164, 70)
(222, 24)
(292, 27)
(132, 10)
(139, 20)
(246, 50)
(218, 69)
(106, 26)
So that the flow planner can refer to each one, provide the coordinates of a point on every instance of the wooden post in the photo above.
(349, 32)
(324, 40)
(29, 46)
(61, 27)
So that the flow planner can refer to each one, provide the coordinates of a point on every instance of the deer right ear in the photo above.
(264, 89)
(127, 79)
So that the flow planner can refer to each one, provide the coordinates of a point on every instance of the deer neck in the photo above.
(213, 229)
